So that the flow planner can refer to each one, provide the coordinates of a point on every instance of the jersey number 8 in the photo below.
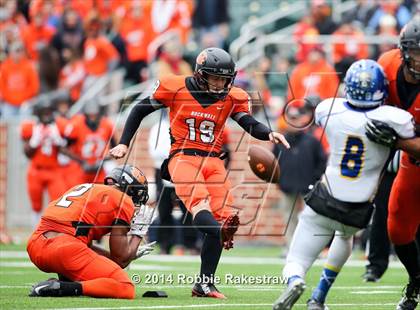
(352, 161)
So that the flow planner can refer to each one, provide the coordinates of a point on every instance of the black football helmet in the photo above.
(131, 181)
(409, 44)
(43, 109)
(214, 61)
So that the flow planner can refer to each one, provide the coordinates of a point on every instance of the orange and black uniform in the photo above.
(196, 127)
(197, 121)
(90, 144)
(44, 170)
(84, 213)
(404, 211)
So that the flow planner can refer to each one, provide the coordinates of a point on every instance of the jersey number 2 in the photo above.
(352, 161)
(79, 191)
(206, 129)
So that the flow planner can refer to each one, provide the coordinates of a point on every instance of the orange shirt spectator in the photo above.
(19, 78)
(304, 29)
(109, 8)
(98, 52)
(354, 45)
(136, 31)
(36, 36)
(72, 76)
(172, 14)
(315, 76)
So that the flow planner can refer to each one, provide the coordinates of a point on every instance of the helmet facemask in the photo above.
(202, 78)
(411, 57)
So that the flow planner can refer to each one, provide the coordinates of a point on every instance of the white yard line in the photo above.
(361, 306)
(232, 260)
(373, 292)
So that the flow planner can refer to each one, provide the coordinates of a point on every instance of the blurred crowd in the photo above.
(69, 44)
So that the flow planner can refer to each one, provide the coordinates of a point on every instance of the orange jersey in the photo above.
(98, 53)
(313, 79)
(391, 63)
(90, 145)
(46, 153)
(88, 211)
(71, 77)
(194, 126)
(18, 82)
(36, 38)
(137, 34)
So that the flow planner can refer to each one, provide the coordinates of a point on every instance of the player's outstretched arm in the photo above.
(411, 146)
(123, 248)
(381, 133)
(259, 130)
(140, 111)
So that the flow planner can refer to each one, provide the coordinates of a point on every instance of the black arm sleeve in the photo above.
(254, 127)
(140, 111)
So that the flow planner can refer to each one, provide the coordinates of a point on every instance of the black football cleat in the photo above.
(411, 297)
(228, 229)
(49, 288)
(370, 276)
(206, 290)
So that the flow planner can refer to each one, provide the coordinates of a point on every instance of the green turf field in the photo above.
(170, 273)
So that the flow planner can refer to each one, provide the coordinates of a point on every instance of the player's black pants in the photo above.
(379, 244)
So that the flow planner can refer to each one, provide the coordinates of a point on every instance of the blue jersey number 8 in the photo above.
(353, 157)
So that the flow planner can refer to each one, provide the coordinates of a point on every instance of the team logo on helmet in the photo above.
(201, 58)
(138, 175)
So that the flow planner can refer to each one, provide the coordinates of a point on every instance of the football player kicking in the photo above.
(340, 204)
(199, 107)
(62, 242)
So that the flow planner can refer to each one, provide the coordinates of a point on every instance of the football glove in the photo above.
(381, 133)
(141, 221)
(37, 136)
(55, 135)
(145, 249)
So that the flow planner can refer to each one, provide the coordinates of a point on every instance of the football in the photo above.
(264, 164)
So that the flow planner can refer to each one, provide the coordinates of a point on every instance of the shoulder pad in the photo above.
(238, 94)
(172, 82)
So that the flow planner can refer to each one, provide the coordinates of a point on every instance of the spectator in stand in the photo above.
(212, 17)
(112, 8)
(172, 14)
(69, 35)
(19, 81)
(12, 15)
(311, 77)
(361, 14)
(321, 13)
(387, 28)
(352, 48)
(136, 31)
(10, 34)
(37, 35)
(111, 25)
(49, 69)
(300, 166)
(73, 73)
(305, 29)
(100, 55)
(170, 60)
(393, 8)
(48, 9)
